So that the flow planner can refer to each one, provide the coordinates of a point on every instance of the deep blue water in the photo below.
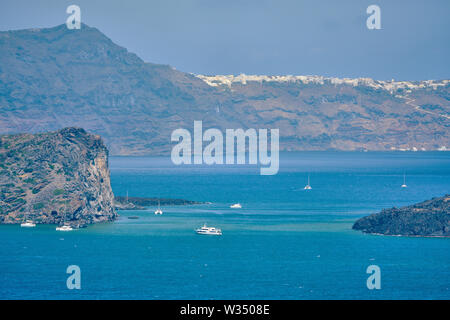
(286, 243)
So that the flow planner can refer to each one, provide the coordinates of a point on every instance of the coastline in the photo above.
(143, 203)
(399, 235)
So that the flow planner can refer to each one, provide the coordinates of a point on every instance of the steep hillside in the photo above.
(55, 177)
(317, 113)
(55, 78)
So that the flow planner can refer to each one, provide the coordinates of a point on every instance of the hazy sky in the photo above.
(307, 37)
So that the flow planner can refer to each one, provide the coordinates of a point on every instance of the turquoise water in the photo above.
(286, 243)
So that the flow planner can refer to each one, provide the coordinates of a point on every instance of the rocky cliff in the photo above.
(54, 78)
(55, 177)
(429, 218)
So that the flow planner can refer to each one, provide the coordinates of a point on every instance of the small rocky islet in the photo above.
(430, 218)
(140, 203)
(55, 177)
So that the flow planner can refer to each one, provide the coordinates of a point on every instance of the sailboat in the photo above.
(404, 181)
(308, 187)
(28, 223)
(158, 211)
(65, 226)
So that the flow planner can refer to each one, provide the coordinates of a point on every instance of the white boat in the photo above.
(308, 187)
(236, 206)
(404, 181)
(65, 227)
(28, 224)
(158, 211)
(209, 231)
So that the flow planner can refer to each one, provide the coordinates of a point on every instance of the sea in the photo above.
(285, 242)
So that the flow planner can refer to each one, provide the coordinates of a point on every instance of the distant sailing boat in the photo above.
(65, 226)
(158, 211)
(28, 223)
(307, 187)
(404, 181)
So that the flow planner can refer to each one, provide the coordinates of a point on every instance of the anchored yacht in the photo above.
(236, 206)
(209, 231)
(308, 187)
(65, 227)
(28, 224)
(404, 181)
(158, 211)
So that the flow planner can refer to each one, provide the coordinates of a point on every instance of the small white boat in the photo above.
(28, 224)
(404, 181)
(308, 187)
(236, 206)
(65, 227)
(158, 211)
(209, 231)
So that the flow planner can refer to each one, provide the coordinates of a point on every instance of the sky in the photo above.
(278, 37)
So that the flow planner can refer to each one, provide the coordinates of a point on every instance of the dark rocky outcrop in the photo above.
(55, 177)
(428, 218)
(138, 203)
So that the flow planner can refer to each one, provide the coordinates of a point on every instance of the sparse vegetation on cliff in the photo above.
(54, 177)
(137, 105)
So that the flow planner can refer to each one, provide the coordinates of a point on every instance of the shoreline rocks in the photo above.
(138, 203)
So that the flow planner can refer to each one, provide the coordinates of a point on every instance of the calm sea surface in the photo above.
(285, 243)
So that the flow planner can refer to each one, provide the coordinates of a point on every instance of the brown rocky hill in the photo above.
(55, 177)
(54, 78)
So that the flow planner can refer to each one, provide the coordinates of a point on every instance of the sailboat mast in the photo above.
(65, 212)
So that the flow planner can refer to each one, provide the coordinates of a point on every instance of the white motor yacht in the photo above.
(209, 231)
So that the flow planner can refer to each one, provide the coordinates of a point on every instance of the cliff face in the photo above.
(54, 78)
(429, 218)
(55, 177)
